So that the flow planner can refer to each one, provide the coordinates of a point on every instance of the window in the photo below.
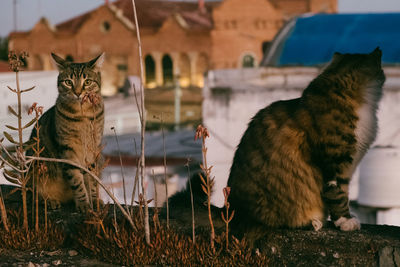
(105, 26)
(248, 61)
(167, 67)
(122, 67)
(150, 68)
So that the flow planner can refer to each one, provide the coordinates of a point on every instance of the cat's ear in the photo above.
(336, 56)
(377, 53)
(97, 62)
(58, 62)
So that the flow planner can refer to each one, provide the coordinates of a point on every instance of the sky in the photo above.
(30, 11)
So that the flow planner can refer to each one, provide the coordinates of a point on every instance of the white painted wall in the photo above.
(232, 97)
(45, 94)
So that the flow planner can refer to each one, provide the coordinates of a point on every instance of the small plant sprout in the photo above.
(207, 181)
(227, 218)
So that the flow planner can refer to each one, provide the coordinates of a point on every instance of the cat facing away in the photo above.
(72, 129)
(294, 162)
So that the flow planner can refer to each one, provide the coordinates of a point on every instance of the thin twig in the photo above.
(155, 216)
(135, 180)
(115, 212)
(143, 122)
(120, 162)
(3, 211)
(207, 181)
(23, 179)
(191, 202)
(165, 169)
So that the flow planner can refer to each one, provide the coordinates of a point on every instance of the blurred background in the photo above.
(212, 62)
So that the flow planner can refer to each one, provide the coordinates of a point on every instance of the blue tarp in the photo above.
(314, 39)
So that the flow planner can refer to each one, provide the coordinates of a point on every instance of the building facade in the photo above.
(180, 40)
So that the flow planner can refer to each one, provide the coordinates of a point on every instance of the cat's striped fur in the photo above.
(295, 160)
(72, 129)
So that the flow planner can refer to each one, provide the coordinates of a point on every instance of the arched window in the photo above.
(150, 69)
(105, 26)
(168, 73)
(184, 69)
(37, 62)
(201, 67)
(248, 61)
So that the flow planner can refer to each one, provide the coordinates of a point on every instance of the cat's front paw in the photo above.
(348, 224)
(317, 224)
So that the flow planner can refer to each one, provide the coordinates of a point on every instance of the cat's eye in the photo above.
(87, 82)
(68, 83)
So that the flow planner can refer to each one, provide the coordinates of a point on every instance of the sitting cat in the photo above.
(294, 162)
(72, 129)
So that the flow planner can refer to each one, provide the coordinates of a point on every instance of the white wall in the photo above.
(45, 94)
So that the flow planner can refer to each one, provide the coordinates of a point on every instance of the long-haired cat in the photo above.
(72, 129)
(295, 160)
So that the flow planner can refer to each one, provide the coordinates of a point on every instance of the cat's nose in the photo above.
(78, 92)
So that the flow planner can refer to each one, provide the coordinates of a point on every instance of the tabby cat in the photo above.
(294, 162)
(72, 129)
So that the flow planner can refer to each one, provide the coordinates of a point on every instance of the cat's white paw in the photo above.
(348, 224)
(317, 224)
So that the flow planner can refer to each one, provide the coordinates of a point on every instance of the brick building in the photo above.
(179, 39)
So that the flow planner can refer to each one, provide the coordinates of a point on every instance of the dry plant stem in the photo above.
(97, 179)
(35, 179)
(136, 174)
(45, 215)
(20, 148)
(207, 171)
(192, 203)
(207, 182)
(122, 168)
(3, 212)
(37, 170)
(97, 167)
(135, 185)
(165, 169)
(155, 189)
(143, 124)
(115, 211)
(155, 216)
(226, 218)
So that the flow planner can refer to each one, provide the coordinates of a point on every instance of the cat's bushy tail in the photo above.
(180, 207)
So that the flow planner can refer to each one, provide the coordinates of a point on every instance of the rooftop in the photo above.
(312, 39)
(151, 14)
